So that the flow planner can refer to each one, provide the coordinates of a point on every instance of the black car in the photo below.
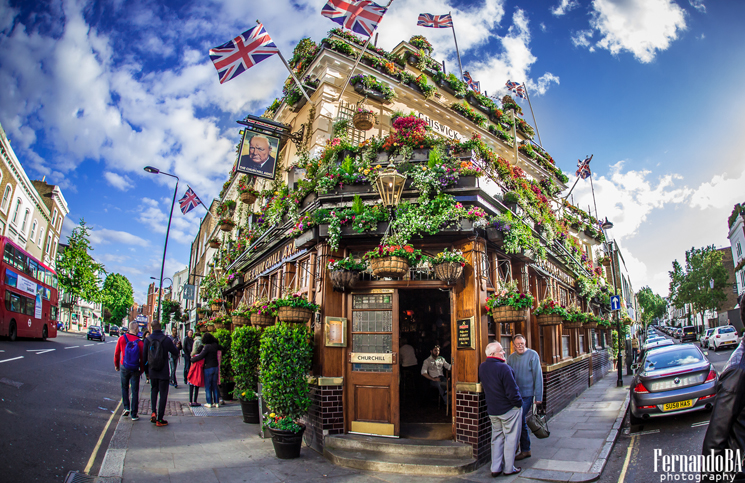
(114, 330)
(96, 332)
(689, 334)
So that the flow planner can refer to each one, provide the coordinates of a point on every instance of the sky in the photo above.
(94, 91)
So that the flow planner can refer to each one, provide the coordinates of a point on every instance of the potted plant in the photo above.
(550, 312)
(219, 322)
(248, 193)
(575, 318)
(448, 265)
(262, 313)
(214, 242)
(226, 368)
(215, 304)
(210, 325)
(285, 355)
(344, 273)
(392, 260)
(240, 316)
(421, 42)
(364, 119)
(591, 321)
(294, 308)
(508, 304)
(244, 355)
(227, 224)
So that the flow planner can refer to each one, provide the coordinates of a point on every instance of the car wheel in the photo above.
(13, 332)
(634, 420)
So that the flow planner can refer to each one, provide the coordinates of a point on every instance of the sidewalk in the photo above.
(207, 449)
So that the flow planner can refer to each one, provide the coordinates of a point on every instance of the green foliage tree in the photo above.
(692, 283)
(78, 273)
(226, 368)
(244, 354)
(654, 305)
(117, 296)
(169, 307)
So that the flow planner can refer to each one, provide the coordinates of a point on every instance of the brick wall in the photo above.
(326, 415)
(472, 424)
(563, 385)
(601, 364)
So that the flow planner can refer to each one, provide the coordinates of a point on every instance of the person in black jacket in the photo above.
(158, 372)
(726, 429)
(504, 405)
(211, 368)
(186, 347)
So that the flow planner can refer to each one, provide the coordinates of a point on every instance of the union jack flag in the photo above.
(189, 201)
(359, 16)
(243, 52)
(476, 86)
(518, 89)
(435, 21)
(583, 168)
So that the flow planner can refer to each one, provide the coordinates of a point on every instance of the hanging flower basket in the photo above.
(448, 272)
(550, 319)
(227, 225)
(248, 198)
(363, 121)
(239, 320)
(203, 329)
(298, 315)
(507, 314)
(590, 325)
(343, 280)
(572, 325)
(211, 328)
(262, 320)
(214, 307)
(393, 267)
(214, 243)
(219, 325)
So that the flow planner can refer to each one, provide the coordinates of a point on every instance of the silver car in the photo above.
(672, 380)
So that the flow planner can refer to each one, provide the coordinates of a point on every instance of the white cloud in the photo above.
(721, 192)
(541, 86)
(641, 27)
(104, 236)
(698, 5)
(543, 27)
(118, 181)
(155, 215)
(564, 6)
(583, 38)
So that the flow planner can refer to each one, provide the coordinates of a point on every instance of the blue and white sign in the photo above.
(615, 302)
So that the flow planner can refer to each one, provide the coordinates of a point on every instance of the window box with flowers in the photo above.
(448, 265)
(392, 261)
(508, 304)
(247, 191)
(451, 84)
(344, 273)
(465, 110)
(262, 313)
(240, 316)
(371, 87)
(428, 90)
(591, 321)
(364, 119)
(575, 318)
(550, 312)
(294, 308)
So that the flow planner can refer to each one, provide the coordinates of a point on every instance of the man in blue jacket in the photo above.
(157, 346)
(504, 405)
(527, 367)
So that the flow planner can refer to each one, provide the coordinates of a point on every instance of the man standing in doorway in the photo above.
(503, 403)
(157, 345)
(527, 367)
(432, 369)
(187, 346)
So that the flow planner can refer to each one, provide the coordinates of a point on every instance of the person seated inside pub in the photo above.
(433, 370)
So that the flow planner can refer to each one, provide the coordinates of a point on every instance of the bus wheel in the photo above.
(12, 332)
(44, 333)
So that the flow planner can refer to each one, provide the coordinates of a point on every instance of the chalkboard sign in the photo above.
(465, 333)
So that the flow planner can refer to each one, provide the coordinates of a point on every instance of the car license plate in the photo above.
(677, 405)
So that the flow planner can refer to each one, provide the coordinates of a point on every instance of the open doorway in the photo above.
(424, 322)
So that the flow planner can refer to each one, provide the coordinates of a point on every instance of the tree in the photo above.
(167, 308)
(78, 273)
(117, 297)
(654, 305)
(692, 284)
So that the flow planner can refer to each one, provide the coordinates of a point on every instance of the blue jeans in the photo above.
(210, 385)
(130, 379)
(525, 433)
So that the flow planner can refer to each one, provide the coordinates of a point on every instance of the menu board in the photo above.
(465, 333)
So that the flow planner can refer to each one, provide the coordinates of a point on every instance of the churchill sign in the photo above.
(370, 358)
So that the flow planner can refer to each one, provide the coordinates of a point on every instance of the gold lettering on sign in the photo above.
(275, 258)
(556, 272)
(370, 358)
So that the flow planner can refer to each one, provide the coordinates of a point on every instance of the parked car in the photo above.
(95, 332)
(723, 337)
(704, 341)
(113, 330)
(672, 380)
(689, 334)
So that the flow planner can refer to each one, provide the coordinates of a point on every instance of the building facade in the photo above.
(736, 235)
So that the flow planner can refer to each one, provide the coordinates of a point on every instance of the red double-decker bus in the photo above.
(29, 289)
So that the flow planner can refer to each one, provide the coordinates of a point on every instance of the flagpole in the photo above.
(578, 176)
(456, 45)
(533, 113)
(279, 52)
(593, 196)
(570, 191)
(357, 62)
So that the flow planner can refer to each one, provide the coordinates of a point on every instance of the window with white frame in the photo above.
(49, 243)
(6, 197)
(565, 345)
(739, 250)
(32, 235)
(41, 235)
(54, 217)
(15, 213)
(25, 220)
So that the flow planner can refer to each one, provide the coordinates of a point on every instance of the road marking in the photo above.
(15, 384)
(45, 351)
(13, 359)
(651, 431)
(702, 423)
(88, 345)
(626, 461)
(72, 347)
(34, 350)
(100, 440)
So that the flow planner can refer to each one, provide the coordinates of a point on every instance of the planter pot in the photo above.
(525, 256)
(239, 320)
(214, 307)
(549, 320)
(227, 226)
(494, 235)
(468, 182)
(462, 225)
(508, 314)
(203, 329)
(363, 121)
(348, 230)
(211, 328)
(590, 325)
(393, 267)
(371, 94)
(214, 244)
(248, 198)
(343, 280)
(310, 198)
(226, 390)
(296, 315)
(307, 238)
(262, 320)
(572, 325)
(299, 104)
(286, 443)
(348, 189)
(420, 156)
(446, 87)
(250, 410)
(448, 272)
(219, 325)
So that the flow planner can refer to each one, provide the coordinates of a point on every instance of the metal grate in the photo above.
(75, 477)
(346, 112)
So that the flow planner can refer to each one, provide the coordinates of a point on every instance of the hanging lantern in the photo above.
(390, 185)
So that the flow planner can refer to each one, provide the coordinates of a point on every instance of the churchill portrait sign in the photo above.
(258, 155)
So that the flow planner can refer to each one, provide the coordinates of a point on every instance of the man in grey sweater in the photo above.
(527, 366)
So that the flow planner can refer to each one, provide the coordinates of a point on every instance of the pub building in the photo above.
(359, 386)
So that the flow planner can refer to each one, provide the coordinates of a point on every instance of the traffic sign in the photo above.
(615, 302)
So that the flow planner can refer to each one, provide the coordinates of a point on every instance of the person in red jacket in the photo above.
(130, 365)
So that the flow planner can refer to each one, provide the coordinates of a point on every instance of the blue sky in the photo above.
(94, 91)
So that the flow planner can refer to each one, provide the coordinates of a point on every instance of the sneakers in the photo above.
(215, 405)
(135, 418)
(194, 404)
(161, 422)
(153, 418)
(208, 405)
(126, 412)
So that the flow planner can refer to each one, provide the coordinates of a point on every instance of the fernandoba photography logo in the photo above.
(711, 467)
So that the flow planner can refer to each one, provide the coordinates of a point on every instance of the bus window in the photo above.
(53, 313)
(33, 267)
(30, 305)
(20, 261)
(8, 256)
(54, 281)
(11, 279)
(12, 302)
(41, 274)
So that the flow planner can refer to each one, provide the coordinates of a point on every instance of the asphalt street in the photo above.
(56, 396)
(672, 435)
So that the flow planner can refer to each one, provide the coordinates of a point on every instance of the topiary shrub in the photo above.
(226, 369)
(244, 354)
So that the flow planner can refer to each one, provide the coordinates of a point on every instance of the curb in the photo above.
(112, 466)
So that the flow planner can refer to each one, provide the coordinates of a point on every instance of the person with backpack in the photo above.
(157, 346)
(129, 361)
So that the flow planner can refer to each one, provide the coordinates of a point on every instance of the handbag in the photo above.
(537, 423)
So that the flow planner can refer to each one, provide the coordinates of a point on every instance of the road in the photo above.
(673, 435)
(56, 396)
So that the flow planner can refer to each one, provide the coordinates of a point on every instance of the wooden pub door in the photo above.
(372, 365)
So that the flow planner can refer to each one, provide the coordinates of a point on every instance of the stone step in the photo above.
(400, 463)
(401, 446)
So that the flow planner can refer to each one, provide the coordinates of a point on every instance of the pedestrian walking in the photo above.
(196, 372)
(503, 403)
(173, 361)
(129, 361)
(526, 365)
(209, 354)
(186, 346)
(157, 346)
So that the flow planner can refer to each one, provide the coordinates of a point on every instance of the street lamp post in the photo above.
(610, 248)
(153, 170)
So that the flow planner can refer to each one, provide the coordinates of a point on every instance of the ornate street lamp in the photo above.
(390, 185)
